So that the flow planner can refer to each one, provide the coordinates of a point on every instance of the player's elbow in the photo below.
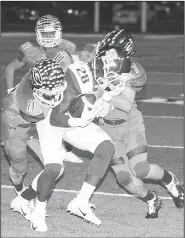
(128, 107)
(13, 66)
(9, 69)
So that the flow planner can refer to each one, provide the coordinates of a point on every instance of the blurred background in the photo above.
(78, 16)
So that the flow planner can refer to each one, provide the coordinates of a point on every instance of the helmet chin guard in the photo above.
(49, 38)
(113, 81)
(49, 99)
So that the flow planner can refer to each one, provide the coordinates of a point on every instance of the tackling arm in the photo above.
(125, 100)
(25, 56)
(135, 83)
(12, 67)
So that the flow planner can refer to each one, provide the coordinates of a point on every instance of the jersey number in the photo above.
(30, 106)
(83, 75)
(59, 57)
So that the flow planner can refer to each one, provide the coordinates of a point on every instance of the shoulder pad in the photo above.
(22, 49)
(25, 46)
(60, 56)
(137, 77)
(29, 46)
(30, 52)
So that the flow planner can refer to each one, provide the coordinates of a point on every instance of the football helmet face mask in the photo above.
(47, 82)
(111, 69)
(48, 31)
(118, 38)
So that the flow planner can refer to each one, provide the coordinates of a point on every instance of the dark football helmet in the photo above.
(111, 67)
(47, 82)
(118, 39)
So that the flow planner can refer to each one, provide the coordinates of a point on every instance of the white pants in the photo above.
(50, 138)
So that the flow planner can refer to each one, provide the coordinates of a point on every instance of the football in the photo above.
(81, 104)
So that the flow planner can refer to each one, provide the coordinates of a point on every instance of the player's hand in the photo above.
(107, 96)
(96, 109)
(9, 90)
(78, 122)
(105, 108)
(98, 91)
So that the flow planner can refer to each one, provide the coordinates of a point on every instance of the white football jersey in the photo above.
(83, 76)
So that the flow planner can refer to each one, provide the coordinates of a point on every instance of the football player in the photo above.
(50, 44)
(80, 79)
(119, 78)
(125, 123)
(23, 109)
(41, 99)
(49, 41)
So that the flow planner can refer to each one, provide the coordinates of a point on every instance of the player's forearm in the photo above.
(121, 103)
(12, 67)
(61, 120)
(9, 75)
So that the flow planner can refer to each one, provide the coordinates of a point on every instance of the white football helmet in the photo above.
(48, 31)
(47, 82)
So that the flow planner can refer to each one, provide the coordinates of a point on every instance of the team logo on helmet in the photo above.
(36, 77)
(129, 46)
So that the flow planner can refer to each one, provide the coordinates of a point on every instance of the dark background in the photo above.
(162, 17)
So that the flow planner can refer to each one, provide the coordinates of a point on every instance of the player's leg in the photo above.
(126, 178)
(70, 155)
(124, 175)
(15, 134)
(120, 163)
(137, 154)
(24, 202)
(34, 145)
(15, 143)
(96, 141)
(50, 141)
(68, 146)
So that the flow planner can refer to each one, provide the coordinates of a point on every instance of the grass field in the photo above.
(122, 215)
